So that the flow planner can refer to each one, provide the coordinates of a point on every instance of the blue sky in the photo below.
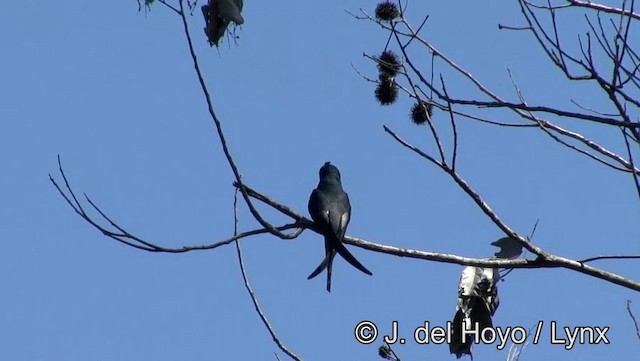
(113, 92)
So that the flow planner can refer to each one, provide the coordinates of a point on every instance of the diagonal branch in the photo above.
(598, 258)
(636, 181)
(205, 91)
(604, 8)
(250, 291)
(522, 110)
(543, 260)
(633, 318)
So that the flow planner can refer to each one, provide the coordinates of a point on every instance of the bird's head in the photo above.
(328, 170)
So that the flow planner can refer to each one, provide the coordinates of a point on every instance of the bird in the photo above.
(330, 210)
(477, 302)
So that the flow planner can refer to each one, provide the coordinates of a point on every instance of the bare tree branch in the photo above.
(273, 230)
(636, 181)
(125, 237)
(547, 261)
(603, 8)
(619, 86)
(598, 258)
(543, 261)
(522, 110)
(250, 291)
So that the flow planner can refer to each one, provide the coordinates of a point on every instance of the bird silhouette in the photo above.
(331, 211)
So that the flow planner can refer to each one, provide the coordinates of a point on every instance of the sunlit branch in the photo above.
(548, 261)
(604, 8)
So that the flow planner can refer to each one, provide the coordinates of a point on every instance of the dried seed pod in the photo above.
(387, 90)
(421, 112)
(387, 11)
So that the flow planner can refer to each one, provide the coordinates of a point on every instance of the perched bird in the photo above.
(330, 210)
(477, 302)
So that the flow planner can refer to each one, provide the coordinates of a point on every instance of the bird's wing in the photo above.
(339, 214)
(320, 215)
(330, 212)
(339, 217)
(318, 209)
(338, 221)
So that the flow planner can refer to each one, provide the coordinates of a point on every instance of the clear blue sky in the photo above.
(113, 92)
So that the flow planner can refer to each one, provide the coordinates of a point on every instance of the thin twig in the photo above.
(171, 7)
(598, 258)
(413, 148)
(125, 237)
(454, 129)
(522, 110)
(250, 291)
(221, 136)
(636, 181)
(633, 318)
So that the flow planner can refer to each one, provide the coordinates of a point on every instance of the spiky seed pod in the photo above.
(387, 11)
(421, 112)
(387, 90)
(388, 63)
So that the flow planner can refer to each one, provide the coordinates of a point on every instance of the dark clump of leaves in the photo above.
(388, 63)
(421, 112)
(218, 14)
(147, 5)
(387, 90)
(387, 11)
(387, 353)
(384, 352)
